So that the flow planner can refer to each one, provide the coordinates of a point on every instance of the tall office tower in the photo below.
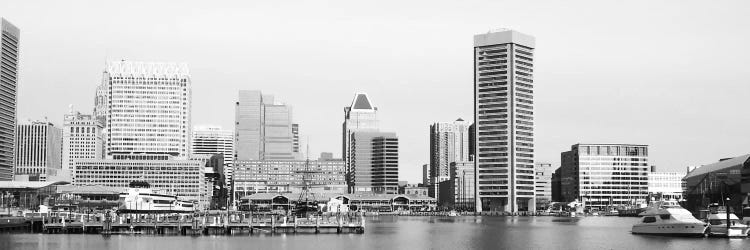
(211, 140)
(9, 55)
(374, 162)
(278, 141)
(248, 125)
(147, 109)
(263, 128)
(605, 175)
(295, 141)
(543, 184)
(503, 111)
(362, 116)
(449, 142)
(81, 139)
(38, 152)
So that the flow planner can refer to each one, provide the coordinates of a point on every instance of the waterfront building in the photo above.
(449, 142)
(556, 185)
(181, 177)
(458, 191)
(85, 199)
(360, 116)
(215, 179)
(286, 176)
(365, 202)
(39, 152)
(504, 116)
(412, 189)
(715, 182)
(666, 185)
(605, 176)
(26, 195)
(543, 185)
(373, 162)
(81, 139)
(9, 55)
(211, 140)
(145, 108)
(264, 128)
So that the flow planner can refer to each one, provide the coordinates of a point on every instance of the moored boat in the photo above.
(140, 198)
(669, 219)
(723, 226)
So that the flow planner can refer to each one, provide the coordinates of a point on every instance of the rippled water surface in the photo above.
(388, 232)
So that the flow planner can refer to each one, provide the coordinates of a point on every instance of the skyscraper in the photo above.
(503, 112)
(211, 140)
(81, 139)
(9, 56)
(449, 142)
(605, 175)
(38, 152)
(263, 128)
(248, 125)
(362, 116)
(278, 141)
(374, 162)
(146, 108)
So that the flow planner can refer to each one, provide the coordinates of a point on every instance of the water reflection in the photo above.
(386, 232)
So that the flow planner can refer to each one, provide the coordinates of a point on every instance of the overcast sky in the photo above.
(670, 74)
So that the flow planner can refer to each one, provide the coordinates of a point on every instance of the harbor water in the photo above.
(394, 232)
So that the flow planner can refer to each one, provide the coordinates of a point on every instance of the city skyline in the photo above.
(606, 103)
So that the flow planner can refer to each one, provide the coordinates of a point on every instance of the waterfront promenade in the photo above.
(202, 224)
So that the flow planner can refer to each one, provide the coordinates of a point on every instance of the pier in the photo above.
(222, 224)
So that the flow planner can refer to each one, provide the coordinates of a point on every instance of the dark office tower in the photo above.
(374, 163)
(9, 48)
(504, 116)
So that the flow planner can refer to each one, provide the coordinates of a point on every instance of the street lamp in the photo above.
(728, 220)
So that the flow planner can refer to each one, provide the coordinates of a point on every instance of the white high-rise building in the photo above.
(38, 152)
(360, 116)
(504, 115)
(81, 139)
(10, 40)
(211, 140)
(146, 109)
(449, 142)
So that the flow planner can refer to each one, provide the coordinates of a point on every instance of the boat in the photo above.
(668, 218)
(717, 220)
(452, 213)
(140, 198)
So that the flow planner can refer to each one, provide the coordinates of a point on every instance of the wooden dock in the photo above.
(209, 225)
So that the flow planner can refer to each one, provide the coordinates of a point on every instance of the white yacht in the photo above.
(717, 218)
(140, 198)
(670, 219)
